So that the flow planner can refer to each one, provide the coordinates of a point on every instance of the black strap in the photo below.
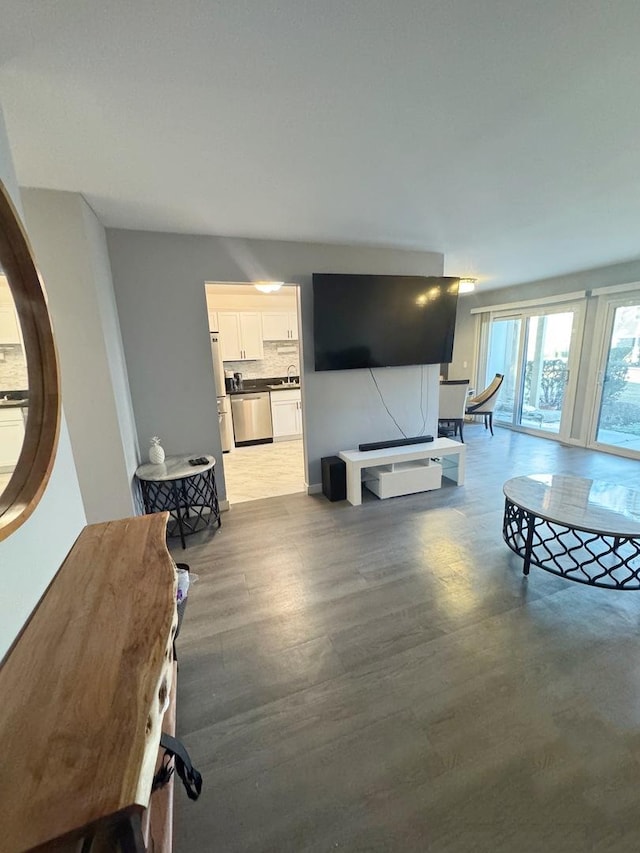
(191, 779)
(163, 773)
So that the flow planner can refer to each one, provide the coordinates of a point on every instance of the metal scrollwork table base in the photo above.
(187, 491)
(583, 530)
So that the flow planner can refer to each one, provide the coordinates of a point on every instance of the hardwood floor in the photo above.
(383, 678)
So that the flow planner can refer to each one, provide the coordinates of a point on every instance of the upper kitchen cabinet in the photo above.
(240, 335)
(279, 326)
(213, 321)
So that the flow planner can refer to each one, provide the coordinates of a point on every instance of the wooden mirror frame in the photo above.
(34, 465)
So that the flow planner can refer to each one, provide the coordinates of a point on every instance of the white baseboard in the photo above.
(314, 489)
(224, 505)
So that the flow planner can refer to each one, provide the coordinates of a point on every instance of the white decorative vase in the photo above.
(156, 452)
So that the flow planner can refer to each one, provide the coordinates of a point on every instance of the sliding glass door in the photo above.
(546, 371)
(617, 424)
(535, 352)
(503, 357)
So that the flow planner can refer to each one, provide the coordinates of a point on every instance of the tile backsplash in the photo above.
(273, 364)
(13, 368)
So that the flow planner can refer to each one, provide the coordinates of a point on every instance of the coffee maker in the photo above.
(232, 381)
(229, 381)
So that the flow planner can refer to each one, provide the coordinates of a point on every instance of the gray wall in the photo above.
(465, 339)
(30, 557)
(114, 349)
(71, 248)
(159, 285)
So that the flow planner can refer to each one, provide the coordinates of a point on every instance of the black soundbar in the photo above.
(396, 442)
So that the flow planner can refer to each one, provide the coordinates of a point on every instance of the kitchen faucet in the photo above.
(289, 379)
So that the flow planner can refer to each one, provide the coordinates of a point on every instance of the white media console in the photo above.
(403, 470)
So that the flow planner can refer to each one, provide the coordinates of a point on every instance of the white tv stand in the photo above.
(403, 470)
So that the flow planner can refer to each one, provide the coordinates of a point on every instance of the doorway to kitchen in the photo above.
(255, 345)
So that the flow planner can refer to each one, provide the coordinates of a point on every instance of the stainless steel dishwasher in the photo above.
(252, 417)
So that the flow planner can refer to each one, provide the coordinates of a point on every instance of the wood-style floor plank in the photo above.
(384, 678)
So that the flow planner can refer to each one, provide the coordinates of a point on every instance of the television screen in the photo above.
(382, 320)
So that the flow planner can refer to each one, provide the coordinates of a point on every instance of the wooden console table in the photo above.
(450, 453)
(86, 689)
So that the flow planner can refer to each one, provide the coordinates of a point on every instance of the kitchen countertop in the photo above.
(14, 404)
(277, 383)
(14, 398)
(264, 389)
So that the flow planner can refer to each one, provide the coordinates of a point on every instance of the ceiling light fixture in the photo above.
(467, 285)
(268, 286)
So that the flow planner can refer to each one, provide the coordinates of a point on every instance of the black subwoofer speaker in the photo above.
(334, 478)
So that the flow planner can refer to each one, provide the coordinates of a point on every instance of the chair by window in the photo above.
(453, 399)
(485, 402)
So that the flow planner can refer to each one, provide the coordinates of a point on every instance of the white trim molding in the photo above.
(616, 288)
(532, 303)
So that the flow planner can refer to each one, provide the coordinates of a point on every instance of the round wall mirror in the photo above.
(29, 386)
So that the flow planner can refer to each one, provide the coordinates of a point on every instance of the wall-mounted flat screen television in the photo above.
(382, 320)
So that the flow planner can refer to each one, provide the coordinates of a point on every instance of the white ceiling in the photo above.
(504, 133)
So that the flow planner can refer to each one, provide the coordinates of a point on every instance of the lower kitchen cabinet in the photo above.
(11, 437)
(286, 414)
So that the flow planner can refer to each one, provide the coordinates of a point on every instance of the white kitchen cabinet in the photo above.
(240, 335)
(9, 330)
(293, 327)
(11, 437)
(286, 414)
(275, 325)
(213, 321)
(229, 333)
(251, 334)
(279, 326)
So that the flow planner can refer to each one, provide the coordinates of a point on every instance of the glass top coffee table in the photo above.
(583, 530)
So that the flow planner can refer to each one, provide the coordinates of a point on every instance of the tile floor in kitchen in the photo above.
(264, 471)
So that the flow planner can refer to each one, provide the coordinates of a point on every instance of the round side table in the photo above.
(187, 491)
(584, 530)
